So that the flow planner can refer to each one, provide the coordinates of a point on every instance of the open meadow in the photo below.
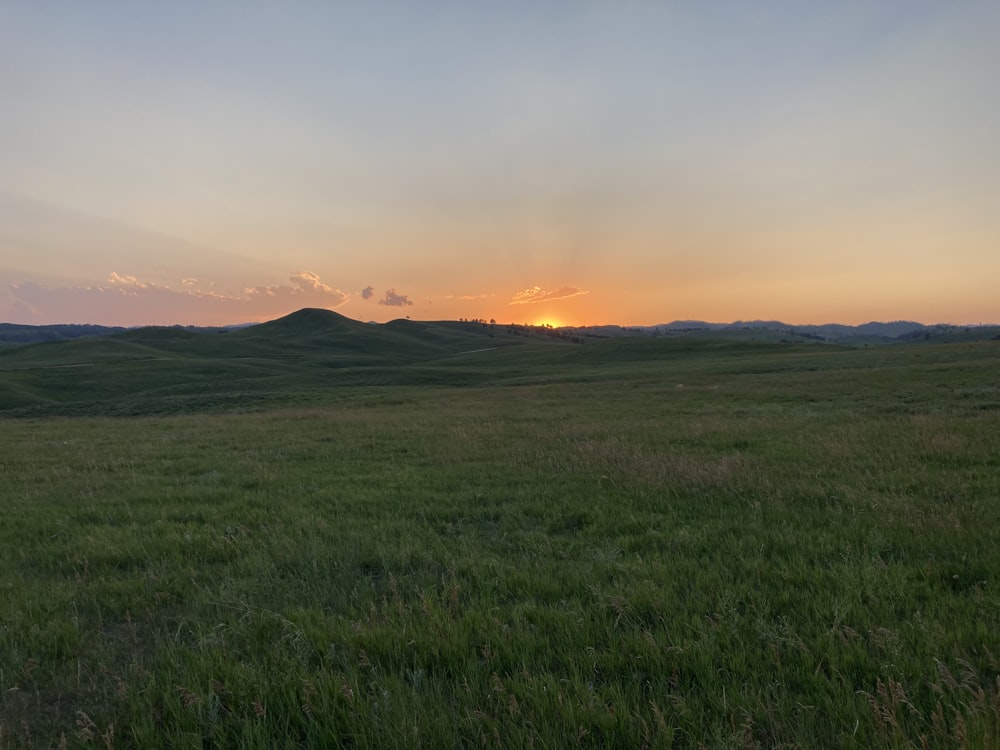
(498, 541)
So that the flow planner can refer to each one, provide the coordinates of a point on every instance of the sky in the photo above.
(561, 162)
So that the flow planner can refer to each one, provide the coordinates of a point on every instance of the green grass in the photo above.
(625, 544)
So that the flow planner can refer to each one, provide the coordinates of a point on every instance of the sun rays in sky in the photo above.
(563, 163)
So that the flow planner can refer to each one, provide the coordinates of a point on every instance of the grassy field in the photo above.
(634, 543)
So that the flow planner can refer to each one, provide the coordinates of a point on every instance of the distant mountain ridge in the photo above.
(881, 332)
(874, 331)
(833, 330)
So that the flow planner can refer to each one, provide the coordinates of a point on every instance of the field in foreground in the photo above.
(719, 547)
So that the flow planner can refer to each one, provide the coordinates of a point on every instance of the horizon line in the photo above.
(676, 321)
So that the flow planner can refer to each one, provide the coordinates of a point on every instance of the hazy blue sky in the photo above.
(573, 162)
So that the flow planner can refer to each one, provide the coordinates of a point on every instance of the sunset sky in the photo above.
(567, 162)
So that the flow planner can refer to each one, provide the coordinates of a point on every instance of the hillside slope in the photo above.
(150, 370)
(318, 356)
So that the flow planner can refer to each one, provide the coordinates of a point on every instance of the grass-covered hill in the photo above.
(318, 355)
(13, 333)
(161, 369)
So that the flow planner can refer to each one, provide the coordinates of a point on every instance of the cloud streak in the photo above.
(306, 285)
(468, 297)
(124, 299)
(130, 282)
(537, 294)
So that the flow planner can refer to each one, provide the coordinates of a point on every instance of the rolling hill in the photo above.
(157, 369)
(318, 355)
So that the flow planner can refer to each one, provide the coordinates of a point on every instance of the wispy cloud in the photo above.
(395, 300)
(537, 294)
(130, 282)
(124, 299)
(467, 297)
(306, 286)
